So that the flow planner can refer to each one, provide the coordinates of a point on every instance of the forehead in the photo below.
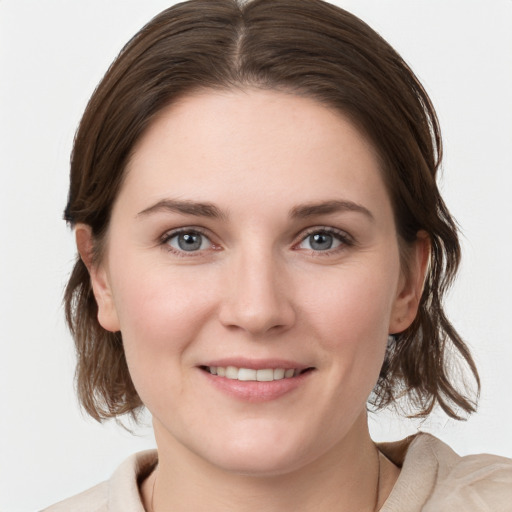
(254, 143)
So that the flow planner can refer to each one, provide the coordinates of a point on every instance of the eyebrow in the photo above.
(303, 211)
(184, 207)
(327, 207)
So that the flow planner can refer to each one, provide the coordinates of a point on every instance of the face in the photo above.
(252, 266)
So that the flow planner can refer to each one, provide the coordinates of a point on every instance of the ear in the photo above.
(107, 314)
(411, 285)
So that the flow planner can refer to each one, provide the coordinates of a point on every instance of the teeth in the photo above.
(248, 374)
(231, 372)
(279, 373)
(266, 375)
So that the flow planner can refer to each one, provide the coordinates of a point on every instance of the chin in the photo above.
(262, 454)
(261, 465)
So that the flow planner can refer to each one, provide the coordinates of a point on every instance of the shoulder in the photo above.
(448, 482)
(474, 482)
(118, 494)
(92, 500)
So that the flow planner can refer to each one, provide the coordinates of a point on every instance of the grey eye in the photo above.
(320, 241)
(189, 242)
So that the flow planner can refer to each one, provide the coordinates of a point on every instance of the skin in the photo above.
(258, 289)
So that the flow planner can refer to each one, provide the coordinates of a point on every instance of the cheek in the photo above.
(160, 312)
(352, 321)
(352, 306)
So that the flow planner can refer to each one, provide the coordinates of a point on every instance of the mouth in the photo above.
(255, 375)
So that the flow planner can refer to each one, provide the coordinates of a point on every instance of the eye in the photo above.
(323, 240)
(188, 241)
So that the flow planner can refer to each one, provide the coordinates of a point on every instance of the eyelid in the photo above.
(346, 239)
(177, 231)
(168, 235)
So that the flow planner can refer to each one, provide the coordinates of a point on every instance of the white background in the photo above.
(53, 53)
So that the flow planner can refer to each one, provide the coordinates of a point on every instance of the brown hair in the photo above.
(307, 47)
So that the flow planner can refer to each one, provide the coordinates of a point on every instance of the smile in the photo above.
(249, 374)
(262, 382)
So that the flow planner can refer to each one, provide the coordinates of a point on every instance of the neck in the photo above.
(348, 477)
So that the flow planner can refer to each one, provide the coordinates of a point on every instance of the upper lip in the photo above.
(256, 364)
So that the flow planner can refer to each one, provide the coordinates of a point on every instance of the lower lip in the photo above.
(255, 391)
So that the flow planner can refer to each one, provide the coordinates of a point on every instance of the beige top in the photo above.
(433, 479)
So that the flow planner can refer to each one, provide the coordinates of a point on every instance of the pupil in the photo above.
(189, 242)
(321, 241)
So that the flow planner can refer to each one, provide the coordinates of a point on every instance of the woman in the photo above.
(263, 252)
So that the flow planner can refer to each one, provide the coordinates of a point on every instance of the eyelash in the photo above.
(164, 241)
(345, 240)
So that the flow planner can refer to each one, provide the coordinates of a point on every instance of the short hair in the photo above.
(309, 48)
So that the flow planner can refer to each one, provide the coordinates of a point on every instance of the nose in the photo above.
(257, 295)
